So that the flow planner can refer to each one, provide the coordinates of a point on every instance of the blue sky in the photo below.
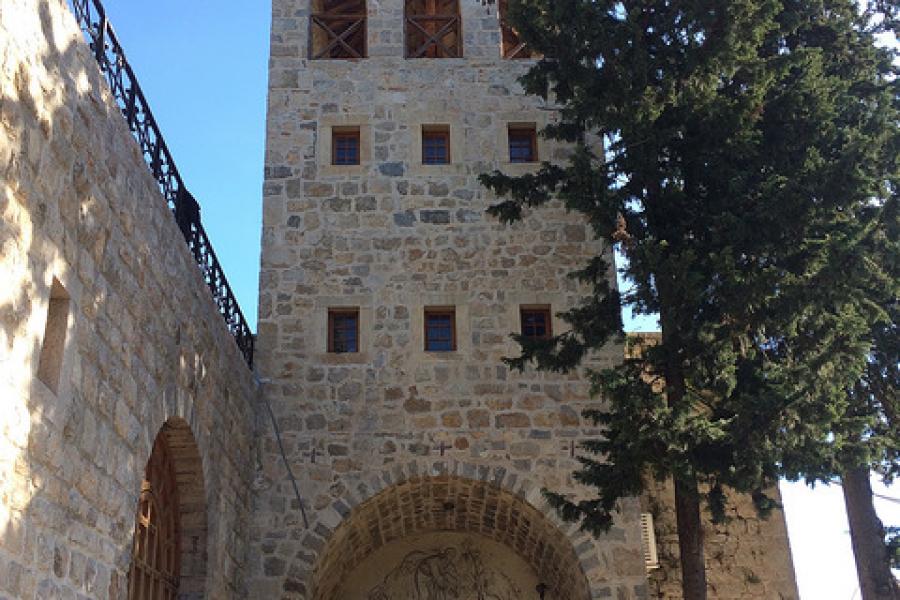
(203, 67)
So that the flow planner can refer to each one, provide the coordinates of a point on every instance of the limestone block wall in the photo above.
(140, 343)
(747, 557)
(391, 237)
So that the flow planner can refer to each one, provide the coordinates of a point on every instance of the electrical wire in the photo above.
(286, 463)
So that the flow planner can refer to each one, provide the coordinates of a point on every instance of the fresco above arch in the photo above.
(441, 566)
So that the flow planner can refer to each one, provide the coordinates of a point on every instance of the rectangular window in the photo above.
(54, 343)
(433, 29)
(338, 29)
(345, 146)
(440, 329)
(522, 143)
(435, 145)
(536, 322)
(513, 46)
(343, 330)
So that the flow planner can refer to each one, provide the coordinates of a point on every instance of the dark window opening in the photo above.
(338, 29)
(54, 342)
(536, 322)
(522, 144)
(345, 146)
(440, 329)
(435, 145)
(343, 330)
(513, 46)
(433, 29)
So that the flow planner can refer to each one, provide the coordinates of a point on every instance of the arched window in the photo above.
(513, 46)
(156, 555)
(338, 29)
(433, 29)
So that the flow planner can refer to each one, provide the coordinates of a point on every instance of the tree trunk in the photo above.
(690, 539)
(873, 568)
(687, 496)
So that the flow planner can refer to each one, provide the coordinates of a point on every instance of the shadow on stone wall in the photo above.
(144, 344)
(33, 120)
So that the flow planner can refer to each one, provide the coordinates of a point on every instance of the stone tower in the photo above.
(387, 298)
(382, 450)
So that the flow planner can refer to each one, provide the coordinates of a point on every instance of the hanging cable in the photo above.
(286, 463)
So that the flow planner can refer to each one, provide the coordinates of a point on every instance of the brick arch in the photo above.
(178, 440)
(505, 509)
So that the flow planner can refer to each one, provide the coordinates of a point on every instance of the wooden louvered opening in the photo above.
(154, 573)
(433, 29)
(338, 29)
(513, 46)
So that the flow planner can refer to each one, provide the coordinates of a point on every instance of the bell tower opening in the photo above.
(433, 29)
(338, 29)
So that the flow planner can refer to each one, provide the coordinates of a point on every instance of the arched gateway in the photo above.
(446, 536)
(169, 547)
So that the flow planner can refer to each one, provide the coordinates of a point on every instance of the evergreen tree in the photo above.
(742, 148)
(868, 437)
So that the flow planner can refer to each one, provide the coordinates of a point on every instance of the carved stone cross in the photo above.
(442, 447)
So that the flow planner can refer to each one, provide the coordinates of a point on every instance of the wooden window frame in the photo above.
(525, 130)
(345, 132)
(511, 45)
(343, 311)
(434, 26)
(437, 131)
(326, 22)
(441, 311)
(542, 309)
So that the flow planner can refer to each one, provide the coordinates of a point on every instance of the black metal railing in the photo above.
(127, 92)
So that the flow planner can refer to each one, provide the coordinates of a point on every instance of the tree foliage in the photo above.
(743, 154)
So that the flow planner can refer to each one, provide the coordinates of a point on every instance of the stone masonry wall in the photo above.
(746, 558)
(391, 237)
(141, 344)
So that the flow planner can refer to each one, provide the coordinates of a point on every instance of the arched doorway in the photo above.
(169, 546)
(446, 536)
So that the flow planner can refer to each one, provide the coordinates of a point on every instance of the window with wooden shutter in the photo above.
(513, 46)
(338, 29)
(433, 29)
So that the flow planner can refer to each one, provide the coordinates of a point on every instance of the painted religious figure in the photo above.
(445, 574)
